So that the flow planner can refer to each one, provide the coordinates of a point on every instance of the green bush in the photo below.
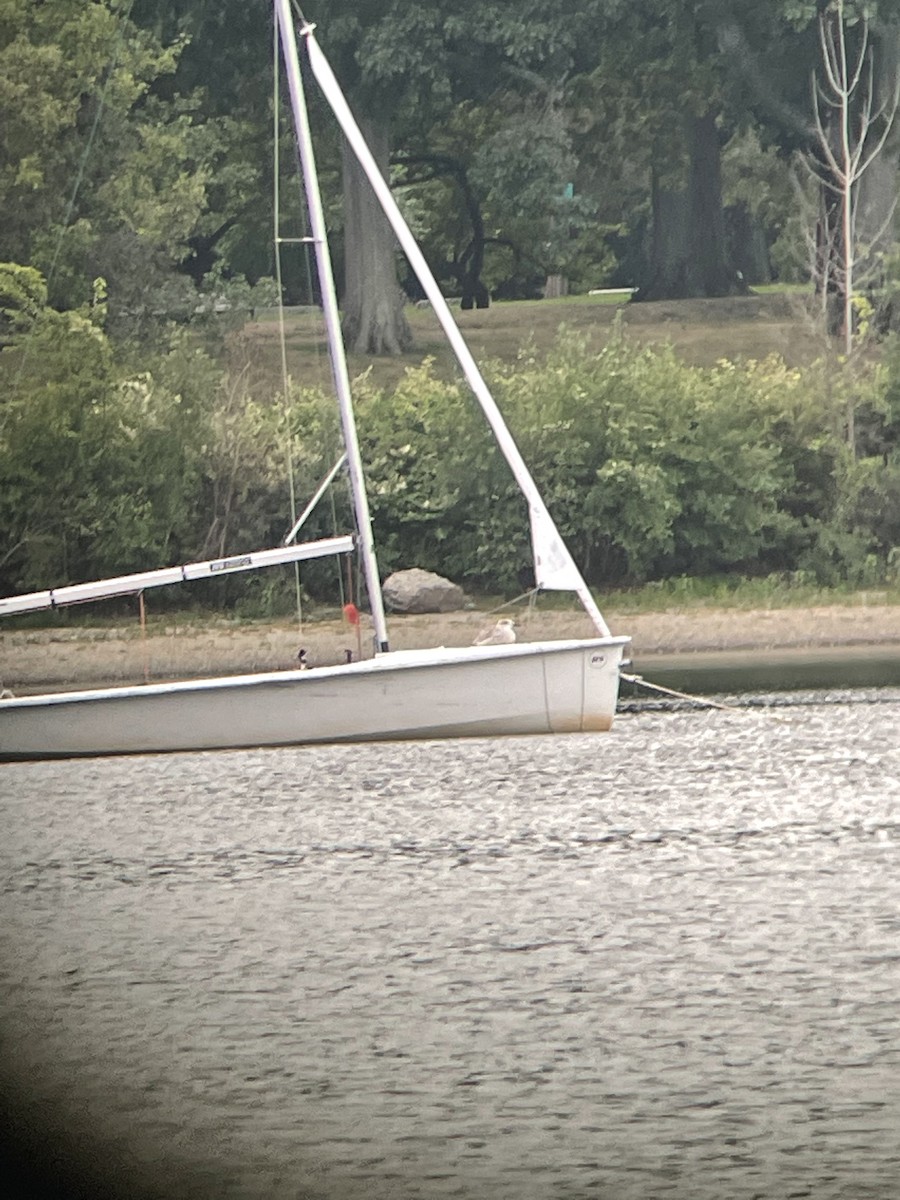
(651, 468)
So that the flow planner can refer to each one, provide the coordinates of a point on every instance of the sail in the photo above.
(553, 565)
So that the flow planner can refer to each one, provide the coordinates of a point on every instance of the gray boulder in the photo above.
(418, 591)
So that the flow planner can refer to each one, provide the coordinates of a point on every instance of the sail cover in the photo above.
(554, 565)
(129, 585)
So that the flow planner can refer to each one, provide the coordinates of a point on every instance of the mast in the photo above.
(332, 322)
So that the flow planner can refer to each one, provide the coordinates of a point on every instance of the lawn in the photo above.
(702, 332)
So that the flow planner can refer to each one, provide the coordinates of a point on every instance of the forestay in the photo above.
(554, 565)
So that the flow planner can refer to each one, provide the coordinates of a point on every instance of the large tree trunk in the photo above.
(748, 247)
(373, 322)
(688, 253)
(474, 292)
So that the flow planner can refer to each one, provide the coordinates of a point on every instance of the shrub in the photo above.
(649, 467)
(652, 469)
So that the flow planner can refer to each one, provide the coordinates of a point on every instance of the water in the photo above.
(663, 962)
(776, 670)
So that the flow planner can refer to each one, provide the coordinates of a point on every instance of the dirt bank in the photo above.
(34, 659)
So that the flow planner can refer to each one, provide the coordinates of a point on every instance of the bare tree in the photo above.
(851, 129)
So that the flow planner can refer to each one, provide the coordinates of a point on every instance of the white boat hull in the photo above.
(526, 688)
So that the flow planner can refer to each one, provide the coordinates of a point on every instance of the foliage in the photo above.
(23, 294)
(98, 463)
(138, 138)
(422, 451)
(651, 468)
(110, 465)
(135, 149)
(98, 175)
(525, 170)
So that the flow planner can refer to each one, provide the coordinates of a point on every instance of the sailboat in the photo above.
(489, 690)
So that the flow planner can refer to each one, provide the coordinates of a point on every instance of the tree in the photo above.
(225, 69)
(851, 129)
(406, 67)
(688, 255)
(658, 97)
(506, 172)
(23, 295)
(373, 321)
(98, 176)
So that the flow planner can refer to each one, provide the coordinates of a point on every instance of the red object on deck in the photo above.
(351, 612)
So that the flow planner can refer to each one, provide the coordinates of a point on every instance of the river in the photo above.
(663, 962)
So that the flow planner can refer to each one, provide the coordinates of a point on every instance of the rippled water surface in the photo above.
(663, 962)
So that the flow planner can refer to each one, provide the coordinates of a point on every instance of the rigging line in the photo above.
(282, 338)
(340, 573)
(101, 104)
(317, 344)
(531, 595)
(276, 216)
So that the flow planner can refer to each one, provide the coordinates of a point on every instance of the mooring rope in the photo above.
(640, 681)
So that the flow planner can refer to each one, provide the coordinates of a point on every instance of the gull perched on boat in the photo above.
(500, 634)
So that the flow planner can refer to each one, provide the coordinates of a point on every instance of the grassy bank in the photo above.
(735, 594)
(688, 596)
(702, 331)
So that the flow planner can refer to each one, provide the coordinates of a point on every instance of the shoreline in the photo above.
(66, 657)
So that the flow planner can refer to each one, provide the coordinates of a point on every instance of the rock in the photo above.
(418, 591)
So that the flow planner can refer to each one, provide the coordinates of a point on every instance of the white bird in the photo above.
(500, 634)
